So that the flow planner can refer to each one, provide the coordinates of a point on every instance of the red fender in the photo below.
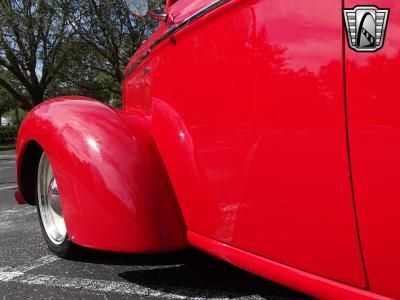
(115, 194)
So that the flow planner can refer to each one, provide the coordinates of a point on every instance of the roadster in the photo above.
(263, 132)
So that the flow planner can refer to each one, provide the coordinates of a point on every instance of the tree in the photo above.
(108, 28)
(3, 106)
(57, 47)
(16, 115)
(83, 74)
(32, 34)
(7, 101)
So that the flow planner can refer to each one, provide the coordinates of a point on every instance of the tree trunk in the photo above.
(16, 115)
(37, 97)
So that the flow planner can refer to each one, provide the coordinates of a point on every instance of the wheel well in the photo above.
(28, 171)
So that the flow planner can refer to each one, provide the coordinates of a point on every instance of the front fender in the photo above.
(114, 192)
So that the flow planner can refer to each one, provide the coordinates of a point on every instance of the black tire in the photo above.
(67, 249)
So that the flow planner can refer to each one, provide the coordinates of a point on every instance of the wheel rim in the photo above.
(49, 203)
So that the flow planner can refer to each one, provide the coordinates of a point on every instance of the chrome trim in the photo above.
(172, 30)
(158, 16)
(136, 63)
(200, 13)
(147, 70)
(49, 203)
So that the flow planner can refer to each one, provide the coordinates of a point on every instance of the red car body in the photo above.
(250, 130)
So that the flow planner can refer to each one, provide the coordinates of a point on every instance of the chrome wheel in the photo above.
(49, 204)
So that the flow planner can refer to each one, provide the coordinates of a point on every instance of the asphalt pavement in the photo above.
(28, 270)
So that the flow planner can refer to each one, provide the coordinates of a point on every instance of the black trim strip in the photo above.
(200, 13)
(348, 146)
(136, 64)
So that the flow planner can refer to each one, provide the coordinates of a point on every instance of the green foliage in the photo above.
(51, 48)
(12, 116)
(8, 134)
(3, 105)
(32, 34)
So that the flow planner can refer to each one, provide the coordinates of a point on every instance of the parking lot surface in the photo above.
(29, 271)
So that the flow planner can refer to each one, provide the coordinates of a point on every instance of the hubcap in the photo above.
(49, 203)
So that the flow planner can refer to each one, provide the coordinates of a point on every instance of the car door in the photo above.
(373, 103)
(248, 113)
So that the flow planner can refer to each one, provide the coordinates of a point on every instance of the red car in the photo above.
(264, 132)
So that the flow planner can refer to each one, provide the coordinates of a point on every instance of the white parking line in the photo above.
(48, 259)
(8, 188)
(4, 157)
(96, 285)
(9, 274)
(9, 219)
(126, 288)
(7, 168)
(18, 275)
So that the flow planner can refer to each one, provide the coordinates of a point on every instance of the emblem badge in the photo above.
(366, 27)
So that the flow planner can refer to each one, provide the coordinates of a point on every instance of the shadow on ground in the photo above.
(191, 273)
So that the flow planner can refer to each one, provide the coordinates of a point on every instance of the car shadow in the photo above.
(92, 256)
(200, 275)
(190, 274)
